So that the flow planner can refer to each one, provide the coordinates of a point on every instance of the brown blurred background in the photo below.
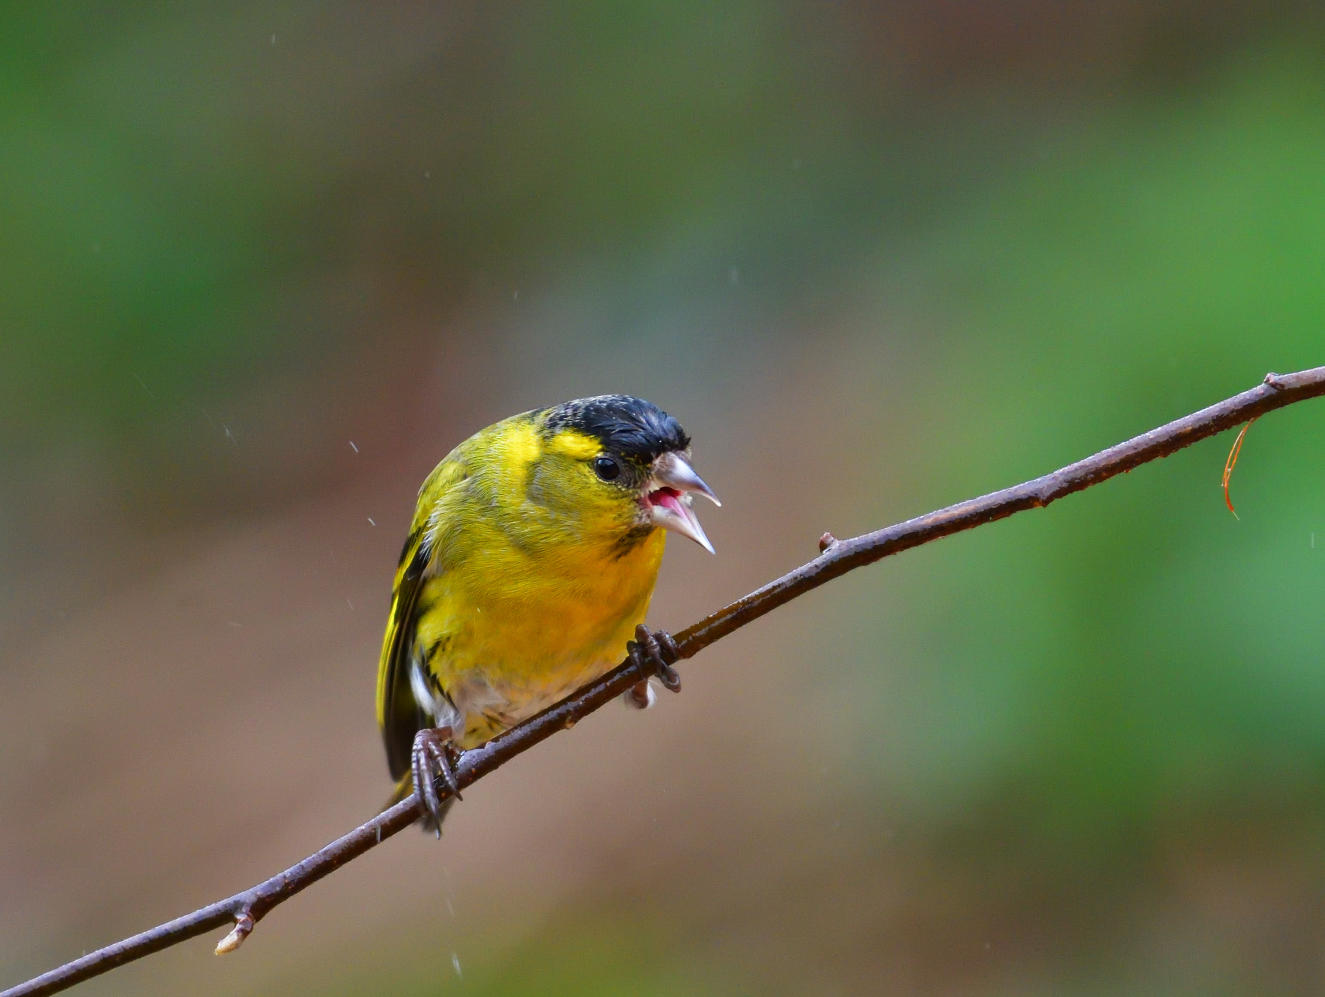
(264, 264)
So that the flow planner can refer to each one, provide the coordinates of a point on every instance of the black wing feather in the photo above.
(401, 716)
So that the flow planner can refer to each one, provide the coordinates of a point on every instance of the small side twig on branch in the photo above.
(836, 558)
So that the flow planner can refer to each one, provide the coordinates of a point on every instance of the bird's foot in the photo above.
(653, 652)
(434, 756)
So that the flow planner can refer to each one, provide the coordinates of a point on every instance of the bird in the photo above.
(527, 572)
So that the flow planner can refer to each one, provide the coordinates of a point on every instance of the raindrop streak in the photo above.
(371, 522)
(455, 961)
(142, 384)
(353, 447)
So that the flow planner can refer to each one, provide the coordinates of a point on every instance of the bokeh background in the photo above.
(263, 264)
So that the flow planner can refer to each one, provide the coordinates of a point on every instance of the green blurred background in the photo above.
(264, 264)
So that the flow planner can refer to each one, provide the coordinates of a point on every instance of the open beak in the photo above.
(671, 488)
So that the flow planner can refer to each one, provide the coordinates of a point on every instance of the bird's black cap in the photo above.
(627, 426)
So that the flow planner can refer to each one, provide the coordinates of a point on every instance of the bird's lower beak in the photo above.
(672, 486)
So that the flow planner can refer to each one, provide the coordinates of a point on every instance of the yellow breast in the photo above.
(517, 633)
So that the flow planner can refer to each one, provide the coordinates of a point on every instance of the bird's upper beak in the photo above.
(671, 487)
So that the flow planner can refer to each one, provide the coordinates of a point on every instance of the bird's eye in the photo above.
(607, 468)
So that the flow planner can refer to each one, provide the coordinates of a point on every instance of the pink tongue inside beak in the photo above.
(670, 509)
(669, 499)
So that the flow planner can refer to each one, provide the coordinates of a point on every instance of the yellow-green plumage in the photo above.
(525, 573)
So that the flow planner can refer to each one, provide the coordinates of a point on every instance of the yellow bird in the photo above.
(527, 572)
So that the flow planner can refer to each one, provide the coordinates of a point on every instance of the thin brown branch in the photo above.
(243, 910)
